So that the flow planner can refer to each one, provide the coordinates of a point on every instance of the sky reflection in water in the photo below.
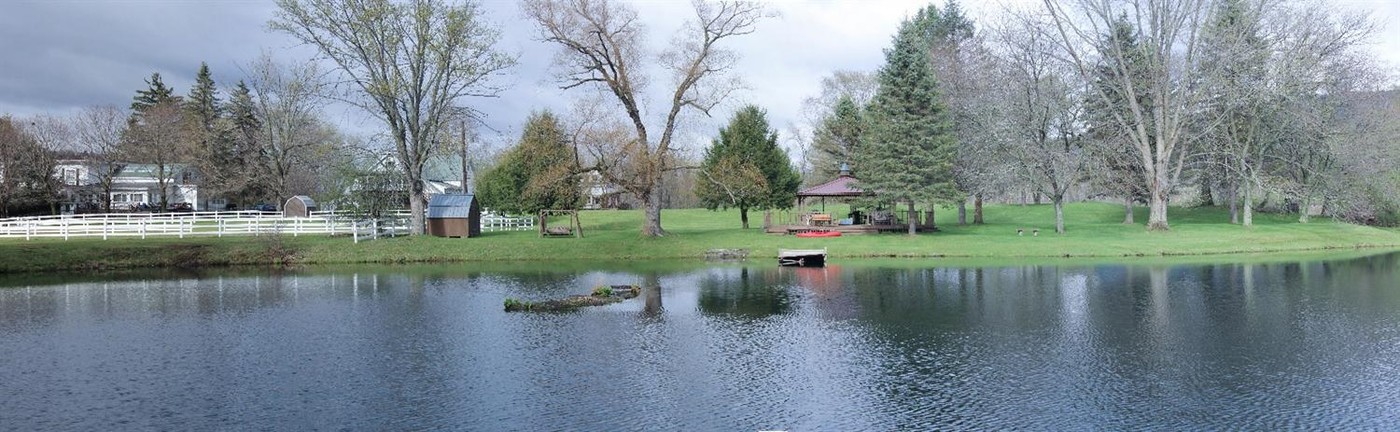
(875, 346)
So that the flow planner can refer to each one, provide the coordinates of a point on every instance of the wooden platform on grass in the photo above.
(843, 229)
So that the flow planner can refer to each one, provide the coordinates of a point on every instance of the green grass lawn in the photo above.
(1094, 230)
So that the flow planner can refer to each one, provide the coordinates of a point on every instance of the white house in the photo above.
(134, 187)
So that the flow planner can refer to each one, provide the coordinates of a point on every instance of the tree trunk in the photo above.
(913, 219)
(162, 184)
(744, 216)
(107, 198)
(465, 185)
(417, 206)
(1059, 215)
(1157, 214)
(1248, 206)
(651, 207)
(1128, 210)
(1234, 206)
(1157, 211)
(977, 210)
(962, 211)
(1207, 196)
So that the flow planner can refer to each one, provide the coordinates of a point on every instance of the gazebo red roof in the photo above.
(838, 187)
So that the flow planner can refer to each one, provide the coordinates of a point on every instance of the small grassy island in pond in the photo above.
(602, 295)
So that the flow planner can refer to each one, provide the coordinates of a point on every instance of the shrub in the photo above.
(516, 305)
(602, 291)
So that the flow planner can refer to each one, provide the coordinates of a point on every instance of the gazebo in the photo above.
(840, 187)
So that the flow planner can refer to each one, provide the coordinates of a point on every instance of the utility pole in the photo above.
(465, 177)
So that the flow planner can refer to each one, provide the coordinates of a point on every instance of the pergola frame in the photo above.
(574, 229)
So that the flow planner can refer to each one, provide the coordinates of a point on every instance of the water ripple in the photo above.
(1258, 347)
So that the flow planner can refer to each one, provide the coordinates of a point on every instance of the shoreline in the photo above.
(611, 236)
(202, 254)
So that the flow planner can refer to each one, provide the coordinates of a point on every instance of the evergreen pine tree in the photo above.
(538, 174)
(549, 159)
(209, 141)
(245, 154)
(909, 147)
(835, 142)
(155, 93)
(949, 38)
(745, 169)
(203, 102)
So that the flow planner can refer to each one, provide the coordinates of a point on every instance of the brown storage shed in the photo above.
(299, 206)
(454, 215)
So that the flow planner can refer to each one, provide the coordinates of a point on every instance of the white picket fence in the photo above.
(219, 224)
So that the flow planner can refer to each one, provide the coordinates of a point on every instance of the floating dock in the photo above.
(802, 257)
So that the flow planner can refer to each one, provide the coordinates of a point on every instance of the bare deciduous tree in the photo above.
(53, 134)
(289, 105)
(409, 64)
(100, 130)
(157, 138)
(601, 44)
(1160, 66)
(1277, 74)
(1325, 69)
(18, 172)
(1043, 112)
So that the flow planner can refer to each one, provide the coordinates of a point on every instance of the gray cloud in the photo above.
(68, 54)
(62, 55)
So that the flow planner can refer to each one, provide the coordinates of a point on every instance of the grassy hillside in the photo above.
(1093, 230)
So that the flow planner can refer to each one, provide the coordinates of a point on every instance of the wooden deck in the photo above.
(843, 229)
(802, 257)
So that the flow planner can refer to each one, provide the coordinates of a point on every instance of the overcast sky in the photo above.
(61, 55)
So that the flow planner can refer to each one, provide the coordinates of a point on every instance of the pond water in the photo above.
(894, 345)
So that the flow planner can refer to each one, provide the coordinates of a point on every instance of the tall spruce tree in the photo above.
(908, 150)
(745, 169)
(156, 92)
(208, 140)
(245, 154)
(835, 142)
(203, 101)
(960, 64)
